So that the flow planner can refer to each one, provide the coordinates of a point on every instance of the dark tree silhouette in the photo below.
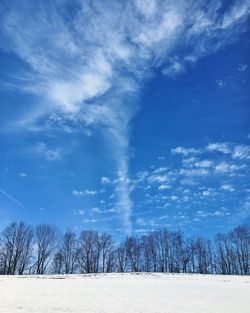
(44, 250)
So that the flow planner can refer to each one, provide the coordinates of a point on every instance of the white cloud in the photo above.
(91, 192)
(163, 217)
(22, 174)
(140, 221)
(188, 181)
(77, 193)
(204, 163)
(161, 158)
(86, 192)
(174, 198)
(241, 152)
(228, 148)
(217, 213)
(105, 180)
(146, 7)
(174, 68)
(219, 147)
(193, 162)
(208, 192)
(194, 172)
(238, 11)
(189, 160)
(220, 83)
(88, 220)
(164, 187)
(81, 212)
(185, 151)
(245, 209)
(220, 213)
(95, 210)
(224, 167)
(242, 67)
(227, 187)
(141, 176)
(50, 154)
(201, 213)
(157, 178)
(160, 170)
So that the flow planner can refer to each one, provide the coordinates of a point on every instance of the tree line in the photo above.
(42, 249)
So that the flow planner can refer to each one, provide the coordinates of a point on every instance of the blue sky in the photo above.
(125, 116)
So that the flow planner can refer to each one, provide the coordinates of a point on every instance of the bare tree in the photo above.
(122, 259)
(89, 255)
(47, 240)
(16, 248)
(133, 251)
(203, 255)
(106, 248)
(146, 248)
(224, 254)
(240, 238)
(163, 249)
(57, 264)
(70, 252)
(111, 262)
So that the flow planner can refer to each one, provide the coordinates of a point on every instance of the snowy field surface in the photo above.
(125, 293)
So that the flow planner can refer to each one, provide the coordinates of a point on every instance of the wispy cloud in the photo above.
(224, 167)
(88, 65)
(217, 213)
(211, 182)
(95, 210)
(227, 148)
(242, 67)
(50, 154)
(241, 152)
(86, 192)
(10, 197)
(185, 151)
(223, 147)
(228, 187)
(220, 83)
(23, 175)
(105, 180)
(164, 187)
(174, 68)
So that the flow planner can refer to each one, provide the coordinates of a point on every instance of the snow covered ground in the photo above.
(125, 293)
